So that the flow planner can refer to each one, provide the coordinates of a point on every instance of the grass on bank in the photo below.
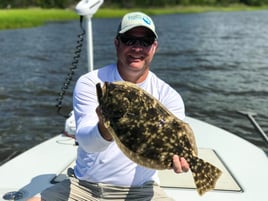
(24, 18)
(106, 12)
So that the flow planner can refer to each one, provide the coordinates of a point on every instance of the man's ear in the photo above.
(155, 46)
(116, 42)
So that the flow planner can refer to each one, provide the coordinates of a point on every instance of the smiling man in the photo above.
(102, 171)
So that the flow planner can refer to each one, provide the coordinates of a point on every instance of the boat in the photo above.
(243, 164)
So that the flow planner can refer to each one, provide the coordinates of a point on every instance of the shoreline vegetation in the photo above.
(32, 17)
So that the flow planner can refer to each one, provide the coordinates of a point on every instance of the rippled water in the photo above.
(217, 61)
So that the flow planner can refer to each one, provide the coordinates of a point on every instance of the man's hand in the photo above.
(180, 164)
(103, 130)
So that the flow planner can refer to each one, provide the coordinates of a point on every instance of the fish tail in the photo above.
(205, 175)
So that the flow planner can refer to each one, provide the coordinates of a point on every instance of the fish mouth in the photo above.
(105, 87)
(100, 91)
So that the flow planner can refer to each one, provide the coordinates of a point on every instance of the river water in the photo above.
(217, 61)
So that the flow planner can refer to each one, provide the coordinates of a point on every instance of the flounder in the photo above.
(149, 134)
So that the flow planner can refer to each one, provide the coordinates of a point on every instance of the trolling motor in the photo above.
(85, 8)
(88, 8)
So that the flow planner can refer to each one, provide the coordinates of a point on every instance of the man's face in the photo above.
(135, 50)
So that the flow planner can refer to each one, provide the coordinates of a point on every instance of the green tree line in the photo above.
(126, 3)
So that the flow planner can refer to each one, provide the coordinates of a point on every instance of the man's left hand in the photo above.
(180, 164)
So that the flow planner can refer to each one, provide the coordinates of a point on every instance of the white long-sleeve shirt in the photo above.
(102, 161)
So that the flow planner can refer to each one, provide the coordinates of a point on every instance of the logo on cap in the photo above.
(140, 17)
(147, 20)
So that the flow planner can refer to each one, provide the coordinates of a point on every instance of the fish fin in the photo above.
(205, 175)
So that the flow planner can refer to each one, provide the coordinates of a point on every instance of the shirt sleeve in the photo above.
(85, 104)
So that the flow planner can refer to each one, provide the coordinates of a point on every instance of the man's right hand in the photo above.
(103, 130)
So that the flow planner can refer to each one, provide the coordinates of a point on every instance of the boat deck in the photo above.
(168, 179)
(244, 168)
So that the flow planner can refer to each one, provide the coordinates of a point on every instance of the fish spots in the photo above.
(149, 134)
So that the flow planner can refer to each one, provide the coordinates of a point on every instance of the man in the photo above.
(102, 171)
